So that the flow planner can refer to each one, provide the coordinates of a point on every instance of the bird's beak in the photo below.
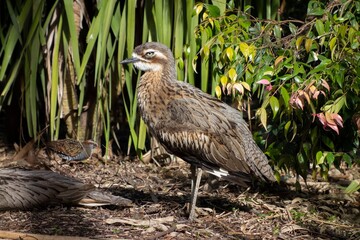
(129, 60)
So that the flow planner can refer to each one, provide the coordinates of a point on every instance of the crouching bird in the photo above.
(26, 189)
(193, 125)
(73, 150)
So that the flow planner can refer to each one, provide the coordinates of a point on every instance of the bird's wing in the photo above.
(67, 148)
(206, 133)
(22, 189)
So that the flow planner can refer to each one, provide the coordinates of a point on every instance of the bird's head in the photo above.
(151, 56)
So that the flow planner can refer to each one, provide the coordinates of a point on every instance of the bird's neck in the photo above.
(154, 94)
(156, 82)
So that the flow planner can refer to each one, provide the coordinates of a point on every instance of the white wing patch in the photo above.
(219, 173)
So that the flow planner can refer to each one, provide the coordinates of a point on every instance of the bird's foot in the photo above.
(197, 212)
(191, 211)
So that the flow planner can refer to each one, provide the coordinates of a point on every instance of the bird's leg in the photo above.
(195, 183)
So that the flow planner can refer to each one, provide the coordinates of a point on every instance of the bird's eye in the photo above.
(149, 54)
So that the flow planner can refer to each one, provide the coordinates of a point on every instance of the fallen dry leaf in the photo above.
(140, 222)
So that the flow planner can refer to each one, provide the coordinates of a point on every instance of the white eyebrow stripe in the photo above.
(134, 55)
(151, 50)
(157, 53)
(160, 55)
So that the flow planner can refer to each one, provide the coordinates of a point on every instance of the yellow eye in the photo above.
(149, 54)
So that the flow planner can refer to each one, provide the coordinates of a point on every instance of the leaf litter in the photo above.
(225, 211)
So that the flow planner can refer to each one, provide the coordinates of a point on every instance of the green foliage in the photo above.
(28, 58)
(297, 215)
(301, 79)
(43, 45)
(171, 23)
(304, 76)
(353, 187)
(41, 50)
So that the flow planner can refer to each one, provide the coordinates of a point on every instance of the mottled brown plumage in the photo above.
(72, 150)
(192, 124)
(25, 189)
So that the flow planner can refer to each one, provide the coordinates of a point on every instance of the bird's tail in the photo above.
(259, 164)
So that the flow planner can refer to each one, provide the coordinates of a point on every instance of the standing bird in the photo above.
(72, 150)
(193, 125)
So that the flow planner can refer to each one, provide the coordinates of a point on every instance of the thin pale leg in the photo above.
(195, 183)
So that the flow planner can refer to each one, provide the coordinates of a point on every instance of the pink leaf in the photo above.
(330, 120)
(268, 87)
(223, 87)
(299, 103)
(334, 127)
(321, 118)
(315, 95)
(263, 82)
(338, 119)
(228, 88)
(325, 84)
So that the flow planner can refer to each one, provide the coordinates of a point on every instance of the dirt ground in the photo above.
(225, 211)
